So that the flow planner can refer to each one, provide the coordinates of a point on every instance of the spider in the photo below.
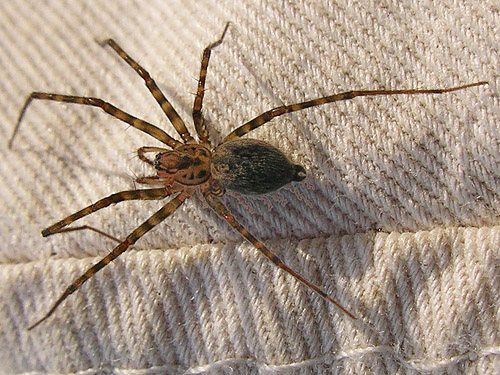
(247, 166)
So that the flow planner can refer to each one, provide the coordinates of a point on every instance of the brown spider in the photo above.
(246, 166)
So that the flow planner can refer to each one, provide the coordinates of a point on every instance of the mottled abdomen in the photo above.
(250, 166)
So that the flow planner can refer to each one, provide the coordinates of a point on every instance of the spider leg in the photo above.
(223, 212)
(144, 150)
(146, 194)
(199, 121)
(149, 224)
(278, 111)
(142, 125)
(165, 105)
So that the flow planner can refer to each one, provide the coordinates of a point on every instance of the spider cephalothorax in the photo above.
(244, 165)
(188, 165)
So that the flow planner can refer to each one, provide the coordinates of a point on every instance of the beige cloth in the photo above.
(398, 218)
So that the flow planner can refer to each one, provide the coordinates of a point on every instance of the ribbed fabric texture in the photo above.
(397, 220)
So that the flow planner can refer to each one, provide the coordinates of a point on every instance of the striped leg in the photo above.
(149, 224)
(165, 105)
(137, 123)
(146, 194)
(278, 111)
(223, 212)
(199, 121)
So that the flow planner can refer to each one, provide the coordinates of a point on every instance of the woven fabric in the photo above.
(397, 220)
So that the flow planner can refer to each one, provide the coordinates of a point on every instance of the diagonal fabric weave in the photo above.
(398, 219)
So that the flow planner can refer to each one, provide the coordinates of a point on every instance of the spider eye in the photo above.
(300, 173)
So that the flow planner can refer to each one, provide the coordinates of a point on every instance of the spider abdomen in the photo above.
(250, 166)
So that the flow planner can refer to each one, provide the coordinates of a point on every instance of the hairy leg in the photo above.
(137, 123)
(223, 212)
(165, 105)
(199, 121)
(278, 111)
(149, 224)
